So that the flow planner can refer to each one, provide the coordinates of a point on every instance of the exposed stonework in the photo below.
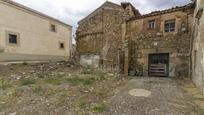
(100, 33)
(121, 37)
(144, 41)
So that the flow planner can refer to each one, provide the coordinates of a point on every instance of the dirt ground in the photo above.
(157, 96)
(56, 88)
(64, 88)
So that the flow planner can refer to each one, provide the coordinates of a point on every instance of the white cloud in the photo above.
(71, 11)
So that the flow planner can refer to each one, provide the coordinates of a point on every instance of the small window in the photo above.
(151, 24)
(53, 28)
(170, 26)
(61, 45)
(12, 39)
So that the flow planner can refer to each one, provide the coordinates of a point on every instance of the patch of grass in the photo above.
(87, 70)
(100, 92)
(64, 94)
(53, 80)
(99, 107)
(4, 84)
(38, 90)
(88, 81)
(77, 81)
(49, 92)
(201, 111)
(27, 81)
(74, 81)
(24, 63)
(81, 104)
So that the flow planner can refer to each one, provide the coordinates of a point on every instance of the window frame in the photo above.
(13, 39)
(55, 27)
(170, 26)
(8, 33)
(152, 24)
(60, 44)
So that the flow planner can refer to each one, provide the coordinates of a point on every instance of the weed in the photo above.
(49, 92)
(81, 104)
(27, 81)
(88, 81)
(53, 80)
(200, 111)
(100, 107)
(77, 81)
(3, 84)
(87, 70)
(64, 94)
(100, 92)
(24, 63)
(38, 90)
(74, 81)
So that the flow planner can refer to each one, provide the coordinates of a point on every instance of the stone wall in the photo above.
(101, 33)
(198, 47)
(143, 41)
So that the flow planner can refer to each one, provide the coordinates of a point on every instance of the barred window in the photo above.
(12, 39)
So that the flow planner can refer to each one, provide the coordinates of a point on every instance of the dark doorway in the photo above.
(159, 65)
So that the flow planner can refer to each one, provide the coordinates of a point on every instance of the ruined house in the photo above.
(154, 44)
(99, 35)
(198, 45)
(27, 35)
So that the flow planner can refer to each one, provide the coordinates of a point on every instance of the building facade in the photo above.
(197, 45)
(99, 35)
(28, 35)
(154, 44)
(159, 43)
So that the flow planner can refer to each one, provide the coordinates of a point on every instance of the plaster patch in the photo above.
(139, 93)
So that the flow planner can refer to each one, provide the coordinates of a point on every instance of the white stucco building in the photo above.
(26, 34)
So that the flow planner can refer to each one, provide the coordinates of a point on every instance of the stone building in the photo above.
(159, 43)
(155, 44)
(26, 34)
(198, 45)
(99, 35)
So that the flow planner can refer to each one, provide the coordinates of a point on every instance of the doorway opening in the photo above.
(159, 65)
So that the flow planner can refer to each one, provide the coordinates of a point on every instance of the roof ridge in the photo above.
(98, 9)
(11, 2)
(172, 9)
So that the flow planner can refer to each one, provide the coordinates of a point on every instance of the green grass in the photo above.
(74, 81)
(200, 111)
(4, 84)
(27, 82)
(88, 81)
(100, 107)
(81, 104)
(38, 90)
(64, 95)
(100, 92)
(24, 63)
(53, 80)
(77, 81)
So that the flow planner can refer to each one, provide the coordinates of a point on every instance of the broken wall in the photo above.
(101, 34)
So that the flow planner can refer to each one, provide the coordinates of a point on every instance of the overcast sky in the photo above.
(71, 11)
